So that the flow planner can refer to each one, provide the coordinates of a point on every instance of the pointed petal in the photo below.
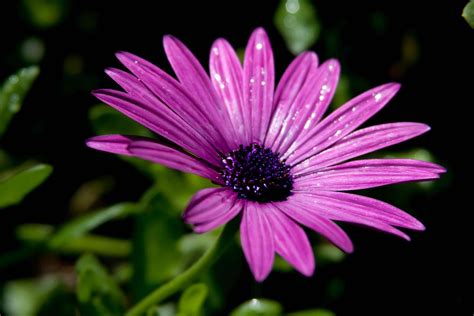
(291, 241)
(362, 142)
(310, 105)
(300, 213)
(150, 149)
(171, 97)
(258, 85)
(292, 82)
(368, 173)
(161, 122)
(226, 76)
(256, 236)
(358, 209)
(211, 208)
(194, 78)
(341, 122)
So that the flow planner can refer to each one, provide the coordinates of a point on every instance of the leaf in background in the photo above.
(39, 235)
(106, 120)
(192, 300)
(281, 265)
(327, 253)
(96, 291)
(13, 92)
(343, 92)
(37, 297)
(83, 224)
(15, 187)
(418, 154)
(468, 13)
(45, 13)
(258, 307)
(156, 257)
(298, 24)
(313, 312)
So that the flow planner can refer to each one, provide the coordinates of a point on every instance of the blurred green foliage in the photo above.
(468, 13)
(17, 184)
(298, 24)
(12, 93)
(97, 292)
(192, 300)
(45, 13)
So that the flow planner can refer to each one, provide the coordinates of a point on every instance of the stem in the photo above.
(178, 283)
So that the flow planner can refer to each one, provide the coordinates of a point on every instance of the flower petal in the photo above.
(369, 173)
(211, 208)
(341, 122)
(258, 85)
(292, 82)
(160, 121)
(170, 94)
(310, 105)
(362, 142)
(357, 209)
(226, 76)
(195, 79)
(256, 236)
(291, 241)
(155, 151)
(300, 213)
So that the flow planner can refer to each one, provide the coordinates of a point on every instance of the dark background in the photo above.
(385, 275)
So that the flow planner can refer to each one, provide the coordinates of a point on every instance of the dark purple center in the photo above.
(256, 173)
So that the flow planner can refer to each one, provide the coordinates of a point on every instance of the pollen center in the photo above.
(256, 173)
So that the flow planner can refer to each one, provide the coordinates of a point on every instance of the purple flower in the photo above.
(278, 161)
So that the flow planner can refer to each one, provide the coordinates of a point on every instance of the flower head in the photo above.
(278, 161)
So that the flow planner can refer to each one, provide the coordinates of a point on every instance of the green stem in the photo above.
(178, 283)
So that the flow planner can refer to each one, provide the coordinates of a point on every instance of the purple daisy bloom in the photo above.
(279, 162)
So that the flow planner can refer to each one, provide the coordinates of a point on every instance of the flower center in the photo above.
(256, 173)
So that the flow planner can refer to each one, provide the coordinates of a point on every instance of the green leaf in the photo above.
(106, 120)
(327, 253)
(41, 234)
(192, 300)
(313, 312)
(297, 22)
(343, 92)
(468, 13)
(258, 307)
(156, 256)
(81, 225)
(16, 186)
(96, 291)
(45, 13)
(36, 297)
(13, 92)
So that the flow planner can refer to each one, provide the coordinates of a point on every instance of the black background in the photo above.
(385, 275)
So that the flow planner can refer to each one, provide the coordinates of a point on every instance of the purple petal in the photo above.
(195, 79)
(364, 174)
(362, 142)
(160, 121)
(211, 208)
(256, 236)
(171, 96)
(291, 241)
(300, 213)
(155, 151)
(357, 209)
(310, 105)
(292, 82)
(258, 85)
(226, 76)
(341, 122)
